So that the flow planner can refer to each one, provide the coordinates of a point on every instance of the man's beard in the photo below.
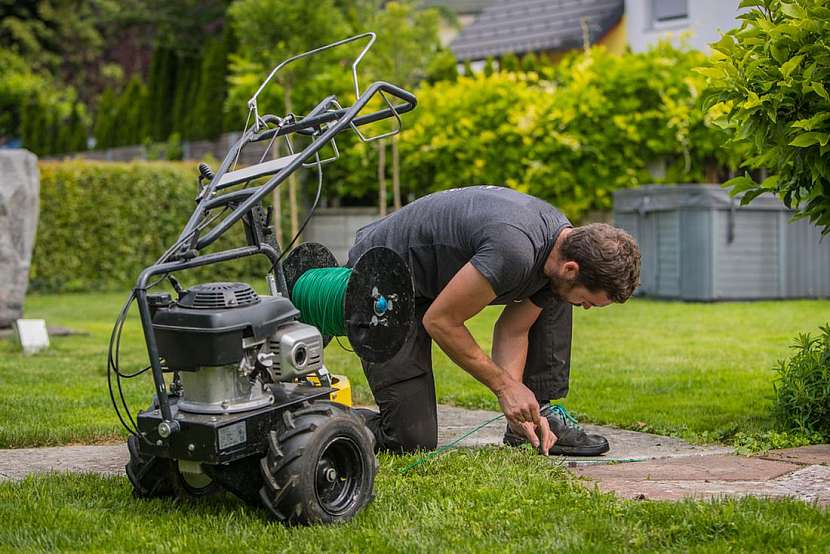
(561, 287)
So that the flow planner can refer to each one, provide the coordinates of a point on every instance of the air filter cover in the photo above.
(216, 296)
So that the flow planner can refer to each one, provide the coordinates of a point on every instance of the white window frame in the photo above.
(654, 24)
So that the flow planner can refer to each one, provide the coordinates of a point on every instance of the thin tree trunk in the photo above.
(292, 179)
(276, 200)
(396, 174)
(382, 177)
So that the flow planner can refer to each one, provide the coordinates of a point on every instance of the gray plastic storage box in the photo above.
(698, 244)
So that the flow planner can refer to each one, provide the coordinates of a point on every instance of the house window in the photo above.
(666, 11)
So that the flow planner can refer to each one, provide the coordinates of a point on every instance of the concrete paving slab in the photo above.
(807, 455)
(693, 468)
(18, 463)
(811, 483)
(678, 490)
(625, 445)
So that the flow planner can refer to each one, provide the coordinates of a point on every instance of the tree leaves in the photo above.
(779, 105)
(809, 139)
(820, 90)
(793, 10)
(788, 67)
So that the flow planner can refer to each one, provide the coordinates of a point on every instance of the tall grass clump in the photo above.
(802, 386)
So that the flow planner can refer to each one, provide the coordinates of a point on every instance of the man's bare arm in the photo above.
(510, 336)
(510, 340)
(464, 296)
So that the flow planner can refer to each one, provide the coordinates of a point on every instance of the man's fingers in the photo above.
(548, 438)
(530, 433)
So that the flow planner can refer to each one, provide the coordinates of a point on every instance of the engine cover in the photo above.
(207, 325)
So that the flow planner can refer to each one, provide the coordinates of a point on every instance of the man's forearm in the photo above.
(457, 342)
(510, 352)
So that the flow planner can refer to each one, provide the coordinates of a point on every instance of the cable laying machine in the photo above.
(242, 397)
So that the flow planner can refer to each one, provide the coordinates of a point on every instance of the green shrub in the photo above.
(571, 135)
(463, 133)
(102, 223)
(802, 389)
(769, 87)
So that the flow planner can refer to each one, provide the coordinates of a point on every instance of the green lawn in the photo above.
(493, 500)
(695, 370)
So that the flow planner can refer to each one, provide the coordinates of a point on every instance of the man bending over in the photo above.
(471, 247)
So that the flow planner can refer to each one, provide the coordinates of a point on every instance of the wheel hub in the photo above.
(339, 475)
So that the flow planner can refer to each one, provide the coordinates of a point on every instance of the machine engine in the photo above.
(225, 343)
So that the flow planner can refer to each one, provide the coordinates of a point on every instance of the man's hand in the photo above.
(522, 411)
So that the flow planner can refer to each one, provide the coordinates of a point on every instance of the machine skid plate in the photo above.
(222, 438)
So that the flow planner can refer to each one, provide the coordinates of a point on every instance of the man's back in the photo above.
(505, 234)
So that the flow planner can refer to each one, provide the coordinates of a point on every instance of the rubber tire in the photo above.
(149, 475)
(289, 469)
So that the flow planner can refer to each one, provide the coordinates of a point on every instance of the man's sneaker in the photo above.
(571, 439)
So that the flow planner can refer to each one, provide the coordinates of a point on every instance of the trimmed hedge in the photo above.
(101, 223)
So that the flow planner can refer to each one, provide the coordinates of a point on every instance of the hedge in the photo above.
(101, 223)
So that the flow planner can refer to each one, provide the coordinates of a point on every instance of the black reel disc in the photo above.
(379, 304)
(308, 255)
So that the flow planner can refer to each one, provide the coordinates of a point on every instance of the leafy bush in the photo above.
(102, 223)
(802, 388)
(571, 135)
(463, 133)
(768, 86)
(608, 118)
(45, 116)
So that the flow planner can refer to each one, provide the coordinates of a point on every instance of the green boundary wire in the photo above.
(449, 445)
(320, 295)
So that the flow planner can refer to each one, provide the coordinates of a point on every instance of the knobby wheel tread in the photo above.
(149, 475)
(294, 450)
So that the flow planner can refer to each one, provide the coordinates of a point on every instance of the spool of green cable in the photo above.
(320, 295)
(370, 303)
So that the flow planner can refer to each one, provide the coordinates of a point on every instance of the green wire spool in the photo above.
(320, 296)
(371, 303)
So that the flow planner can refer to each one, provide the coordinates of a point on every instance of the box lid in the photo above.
(650, 198)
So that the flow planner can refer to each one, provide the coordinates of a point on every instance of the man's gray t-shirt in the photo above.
(505, 234)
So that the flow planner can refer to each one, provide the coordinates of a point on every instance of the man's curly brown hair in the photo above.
(608, 258)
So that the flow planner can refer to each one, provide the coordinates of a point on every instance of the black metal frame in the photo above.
(322, 124)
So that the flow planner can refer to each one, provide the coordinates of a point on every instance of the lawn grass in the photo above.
(489, 500)
(696, 370)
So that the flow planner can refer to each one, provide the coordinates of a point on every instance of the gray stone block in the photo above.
(19, 205)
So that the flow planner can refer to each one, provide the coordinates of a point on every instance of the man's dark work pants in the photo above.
(404, 388)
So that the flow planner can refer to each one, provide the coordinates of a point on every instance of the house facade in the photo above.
(554, 27)
(697, 23)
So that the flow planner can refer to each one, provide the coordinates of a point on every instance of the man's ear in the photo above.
(570, 270)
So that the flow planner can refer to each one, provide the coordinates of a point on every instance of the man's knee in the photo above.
(413, 435)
